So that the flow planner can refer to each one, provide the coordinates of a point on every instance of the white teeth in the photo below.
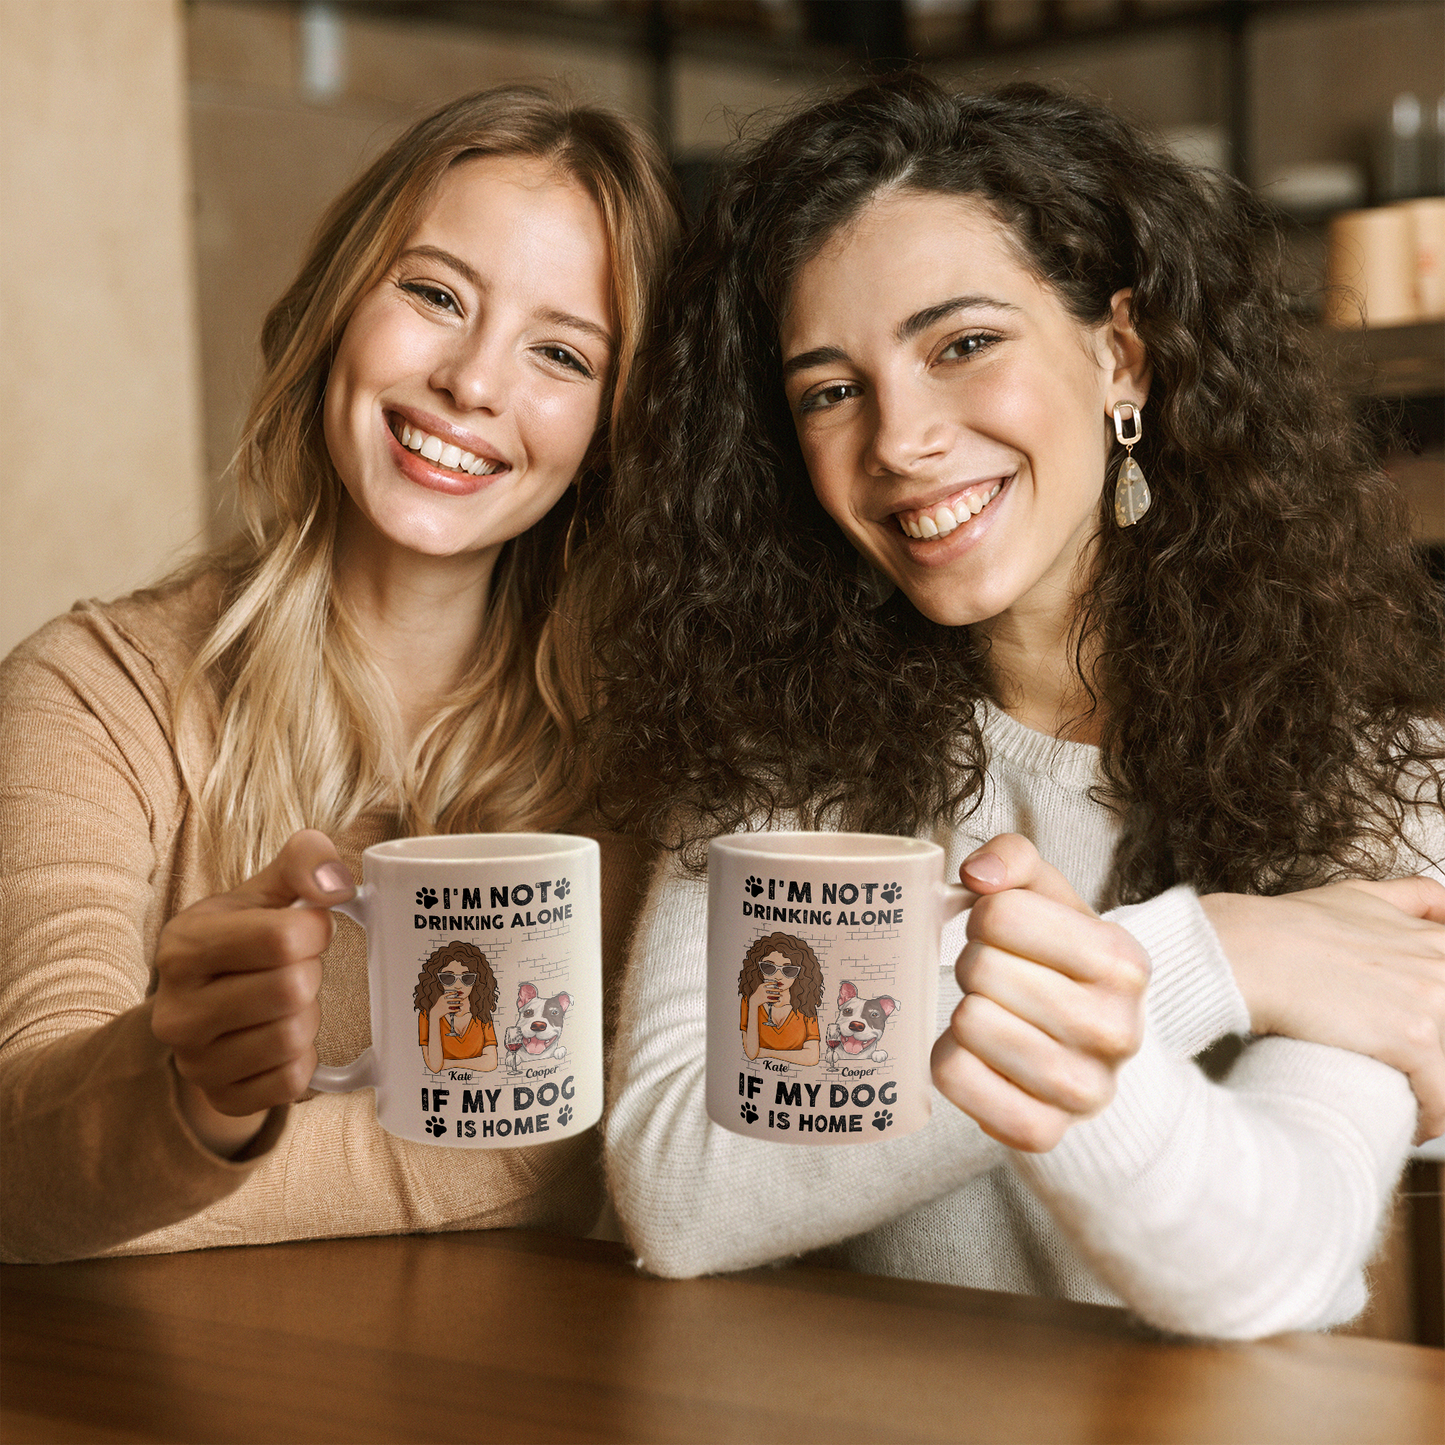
(941, 519)
(444, 454)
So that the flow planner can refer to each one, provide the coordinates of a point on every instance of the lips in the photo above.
(444, 454)
(940, 518)
(440, 457)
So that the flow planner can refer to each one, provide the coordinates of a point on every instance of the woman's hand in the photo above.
(1053, 1002)
(765, 995)
(1358, 965)
(236, 993)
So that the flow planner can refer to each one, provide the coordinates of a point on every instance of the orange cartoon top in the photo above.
(792, 1033)
(468, 1044)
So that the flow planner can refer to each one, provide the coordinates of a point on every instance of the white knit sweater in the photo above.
(1233, 1210)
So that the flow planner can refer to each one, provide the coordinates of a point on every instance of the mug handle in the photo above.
(360, 1073)
(955, 899)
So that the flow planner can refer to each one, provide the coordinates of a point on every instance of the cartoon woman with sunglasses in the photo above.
(456, 992)
(781, 986)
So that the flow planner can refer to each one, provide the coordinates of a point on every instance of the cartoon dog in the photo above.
(861, 1021)
(540, 1021)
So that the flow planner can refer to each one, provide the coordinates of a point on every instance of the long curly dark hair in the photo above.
(463, 957)
(1269, 658)
(807, 990)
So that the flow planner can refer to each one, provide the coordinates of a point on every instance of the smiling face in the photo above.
(952, 412)
(469, 381)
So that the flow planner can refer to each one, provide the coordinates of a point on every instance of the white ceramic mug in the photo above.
(823, 956)
(484, 960)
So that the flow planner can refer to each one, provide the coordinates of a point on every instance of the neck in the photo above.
(1035, 665)
(419, 616)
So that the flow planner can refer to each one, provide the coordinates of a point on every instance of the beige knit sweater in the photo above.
(99, 846)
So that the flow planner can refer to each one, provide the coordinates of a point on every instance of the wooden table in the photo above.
(520, 1337)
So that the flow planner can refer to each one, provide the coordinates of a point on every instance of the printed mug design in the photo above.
(781, 985)
(456, 994)
(860, 1023)
(538, 1029)
(780, 988)
(823, 1034)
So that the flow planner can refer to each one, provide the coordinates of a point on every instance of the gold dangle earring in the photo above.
(1131, 494)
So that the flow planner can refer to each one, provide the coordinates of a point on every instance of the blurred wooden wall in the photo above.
(102, 486)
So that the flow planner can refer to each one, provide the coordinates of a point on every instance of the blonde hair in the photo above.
(309, 730)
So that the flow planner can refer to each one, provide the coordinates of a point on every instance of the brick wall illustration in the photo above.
(547, 972)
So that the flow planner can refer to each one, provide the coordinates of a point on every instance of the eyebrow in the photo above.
(473, 278)
(819, 356)
(919, 322)
(942, 310)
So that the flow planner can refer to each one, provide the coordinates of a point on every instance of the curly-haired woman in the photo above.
(455, 997)
(390, 649)
(780, 986)
(884, 562)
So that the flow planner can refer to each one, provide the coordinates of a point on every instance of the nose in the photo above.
(857, 1028)
(538, 1027)
(910, 431)
(476, 372)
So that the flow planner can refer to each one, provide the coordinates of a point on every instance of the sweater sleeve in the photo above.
(96, 1150)
(1234, 1210)
(1193, 999)
(695, 1198)
(96, 853)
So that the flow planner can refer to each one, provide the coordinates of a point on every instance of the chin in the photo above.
(951, 611)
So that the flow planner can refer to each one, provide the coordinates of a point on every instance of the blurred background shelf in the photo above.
(1394, 362)
(1398, 373)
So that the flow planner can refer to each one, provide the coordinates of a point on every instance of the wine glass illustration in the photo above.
(833, 1036)
(513, 1040)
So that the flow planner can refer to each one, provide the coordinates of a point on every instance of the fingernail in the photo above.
(986, 868)
(332, 878)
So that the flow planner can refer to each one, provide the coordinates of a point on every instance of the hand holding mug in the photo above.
(1053, 1002)
(237, 978)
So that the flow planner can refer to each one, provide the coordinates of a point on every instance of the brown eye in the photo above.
(964, 347)
(434, 296)
(827, 397)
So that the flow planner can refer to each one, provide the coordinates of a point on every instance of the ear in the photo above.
(1124, 355)
(564, 1001)
(525, 995)
(888, 1005)
(845, 992)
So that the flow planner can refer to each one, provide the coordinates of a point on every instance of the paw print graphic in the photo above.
(882, 1118)
(753, 885)
(750, 1113)
(561, 889)
(436, 1126)
(892, 893)
(564, 1115)
(426, 897)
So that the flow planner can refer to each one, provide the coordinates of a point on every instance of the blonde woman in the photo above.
(386, 651)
